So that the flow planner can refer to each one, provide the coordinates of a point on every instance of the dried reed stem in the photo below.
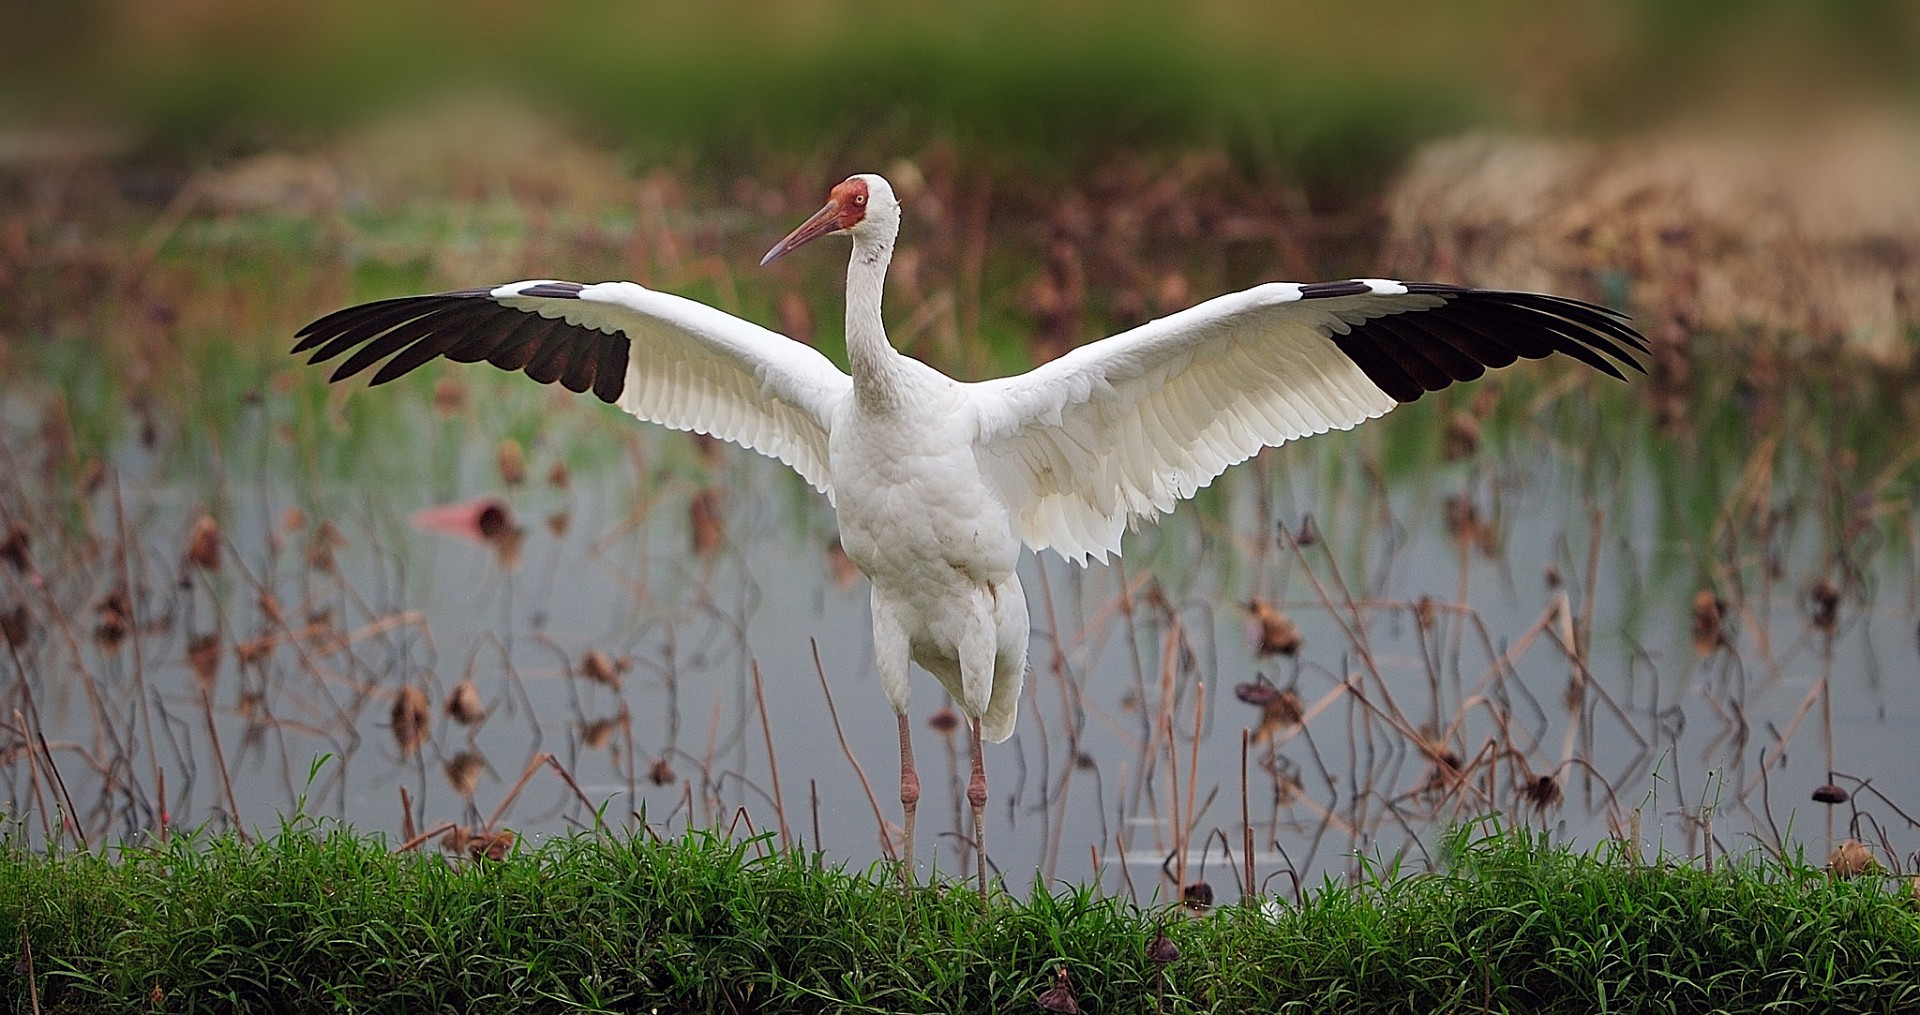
(886, 841)
(1246, 818)
(773, 765)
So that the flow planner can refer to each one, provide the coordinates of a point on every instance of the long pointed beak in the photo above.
(824, 221)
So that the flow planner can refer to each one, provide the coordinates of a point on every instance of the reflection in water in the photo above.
(1578, 625)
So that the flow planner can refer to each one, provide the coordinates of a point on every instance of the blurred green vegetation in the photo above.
(1322, 92)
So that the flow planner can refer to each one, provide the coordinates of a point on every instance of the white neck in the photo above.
(877, 367)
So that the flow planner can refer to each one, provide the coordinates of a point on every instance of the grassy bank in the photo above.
(322, 920)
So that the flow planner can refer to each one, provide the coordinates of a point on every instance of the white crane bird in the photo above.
(938, 482)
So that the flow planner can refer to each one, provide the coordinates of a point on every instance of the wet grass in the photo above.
(317, 918)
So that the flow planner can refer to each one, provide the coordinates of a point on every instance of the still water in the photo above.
(1541, 606)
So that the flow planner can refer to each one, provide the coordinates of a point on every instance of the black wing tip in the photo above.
(332, 325)
(413, 330)
(1487, 326)
(1591, 327)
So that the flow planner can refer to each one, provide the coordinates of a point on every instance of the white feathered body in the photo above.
(941, 555)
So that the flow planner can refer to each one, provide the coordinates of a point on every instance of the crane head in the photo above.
(846, 208)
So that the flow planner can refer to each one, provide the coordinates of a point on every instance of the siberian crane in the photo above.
(938, 483)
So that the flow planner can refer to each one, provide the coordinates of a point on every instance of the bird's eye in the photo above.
(859, 199)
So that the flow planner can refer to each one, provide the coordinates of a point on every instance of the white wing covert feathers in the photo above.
(1126, 427)
(661, 357)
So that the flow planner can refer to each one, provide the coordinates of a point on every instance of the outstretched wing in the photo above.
(661, 357)
(1128, 426)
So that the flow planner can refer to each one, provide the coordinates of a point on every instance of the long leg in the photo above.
(909, 798)
(890, 658)
(978, 652)
(977, 796)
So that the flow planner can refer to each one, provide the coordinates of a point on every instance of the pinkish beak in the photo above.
(824, 221)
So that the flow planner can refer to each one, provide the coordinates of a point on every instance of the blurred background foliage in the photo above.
(1329, 94)
(219, 169)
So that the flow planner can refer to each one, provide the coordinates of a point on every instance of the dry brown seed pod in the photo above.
(1197, 897)
(1466, 525)
(1444, 772)
(253, 651)
(203, 544)
(1283, 709)
(463, 772)
(494, 520)
(703, 518)
(1461, 438)
(490, 847)
(507, 546)
(1280, 712)
(13, 548)
(511, 461)
(1709, 621)
(1542, 792)
(600, 668)
(463, 703)
(411, 718)
(1059, 997)
(596, 733)
(1850, 859)
(456, 839)
(326, 542)
(16, 625)
(1829, 794)
(116, 619)
(1824, 599)
(1425, 612)
(449, 396)
(203, 656)
(1273, 631)
(1161, 950)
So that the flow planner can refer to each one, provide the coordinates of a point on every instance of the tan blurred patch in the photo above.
(1810, 235)
(484, 152)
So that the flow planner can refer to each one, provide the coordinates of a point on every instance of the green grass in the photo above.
(318, 919)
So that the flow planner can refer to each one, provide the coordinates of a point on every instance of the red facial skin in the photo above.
(845, 208)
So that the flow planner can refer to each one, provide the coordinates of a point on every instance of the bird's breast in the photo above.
(914, 509)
